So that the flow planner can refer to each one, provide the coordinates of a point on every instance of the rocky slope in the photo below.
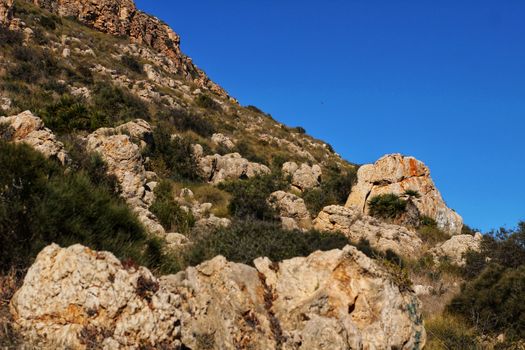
(338, 299)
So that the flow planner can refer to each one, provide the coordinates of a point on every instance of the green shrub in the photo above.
(505, 247)
(173, 157)
(171, 216)
(300, 130)
(132, 63)
(50, 23)
(117, 105)
(493, 301)
(245, 241)
(334, 190)
(386, 206)
(10, 37)
(204, 101)
(40, 204)
(32, 64)
(248, 152)
(184, 121)
(249, 196)
(69, 114)
(429, 232)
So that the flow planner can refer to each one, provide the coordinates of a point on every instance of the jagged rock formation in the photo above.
(125, 162)
(121, 17)
(233, 166)
(29, 129)
(357, 226)
(338, 299)
(303, 177)
(292, 210)
(396, 173)
(455, 248)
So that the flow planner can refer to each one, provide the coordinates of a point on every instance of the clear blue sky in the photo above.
(443, 81)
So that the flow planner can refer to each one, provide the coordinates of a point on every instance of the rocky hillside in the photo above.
(141, 207)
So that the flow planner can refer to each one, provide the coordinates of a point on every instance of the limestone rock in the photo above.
(357, 226)
(455, 248)
(304, 177)
(395, 173)
(122, 18)
(222, 140)
(70, 291)
(217, 168)
(29, 129)
(338, 299)
(291, 209)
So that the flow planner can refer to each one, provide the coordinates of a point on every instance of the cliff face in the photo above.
(122, 18)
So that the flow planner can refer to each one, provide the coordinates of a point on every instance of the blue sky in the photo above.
(443, 81)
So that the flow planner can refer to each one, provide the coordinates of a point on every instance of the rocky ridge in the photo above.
(122, 18)
(395, 173)
(340, 299)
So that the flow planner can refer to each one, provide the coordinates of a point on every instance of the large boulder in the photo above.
(233, 166)
(340, 299)
(357, 226)
(291, 209)
(456, 247)
(222, 140)
(304, 176)
(29, 129)
(396, 173)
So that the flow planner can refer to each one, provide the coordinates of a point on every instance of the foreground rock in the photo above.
(357, 226)
(29, 129)
(233, 166)
(395, 174)
(338, 299)
(304, 176)
(456, 247)
(292, 210)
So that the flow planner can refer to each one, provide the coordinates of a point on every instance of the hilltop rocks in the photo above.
(356, 226)
(121, 18)
(217, 168)
(338, 299)
(291, 209)
(29, 129)
(395, 174)
(303, 177)
(455, 248)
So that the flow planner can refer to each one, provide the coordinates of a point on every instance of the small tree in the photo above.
(387, 206)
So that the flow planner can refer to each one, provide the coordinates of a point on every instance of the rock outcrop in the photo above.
(292, 210)
(122, 18)
(124, 160)
(338, 299)
(357, 226)
(395, 173)
(456, 247)
(29, 129)
(217, 168)
(304, 177)
(222, 140)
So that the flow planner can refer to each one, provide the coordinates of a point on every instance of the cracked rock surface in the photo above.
(339, 299)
